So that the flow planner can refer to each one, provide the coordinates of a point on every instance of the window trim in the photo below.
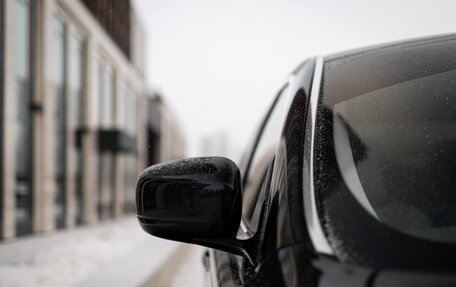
(314, 226)
(245, 227)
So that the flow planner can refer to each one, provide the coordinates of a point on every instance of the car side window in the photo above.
(262, 157)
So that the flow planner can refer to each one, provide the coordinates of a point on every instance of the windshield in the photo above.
(385, 160)
(395, 149)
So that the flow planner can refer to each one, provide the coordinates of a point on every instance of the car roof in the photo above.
(365, 51)
(361, 71)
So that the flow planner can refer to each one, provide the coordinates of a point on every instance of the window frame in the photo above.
(252, 151)
(252, 148)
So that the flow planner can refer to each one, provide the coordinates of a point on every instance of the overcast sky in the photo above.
(219, 63)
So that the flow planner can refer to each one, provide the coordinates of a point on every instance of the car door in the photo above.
(285, 250)
(278, 139)
(229, 269)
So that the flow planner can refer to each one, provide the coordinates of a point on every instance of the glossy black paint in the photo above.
(282, 225)
(280, 253)
(285, 256)
(285, 225)
(190, 199)
(355, 232)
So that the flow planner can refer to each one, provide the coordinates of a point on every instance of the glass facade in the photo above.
(77, 123)
(106, 90)
(130, 173)
(23, 129)
(130, 108)
(109, 95)
(130, 176)
(59, 120)
(106, 185)
(106, 159)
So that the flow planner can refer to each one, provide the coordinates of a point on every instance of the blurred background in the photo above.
(94, 91)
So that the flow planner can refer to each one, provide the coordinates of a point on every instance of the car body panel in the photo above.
(357, 74)
(286, 254)
(284, 224)
(301, 223)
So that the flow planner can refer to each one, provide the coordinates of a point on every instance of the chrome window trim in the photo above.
(314, 226)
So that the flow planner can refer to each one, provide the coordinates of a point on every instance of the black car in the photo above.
(350, 181)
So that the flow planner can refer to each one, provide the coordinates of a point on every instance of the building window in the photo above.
(106, 159)
(23, 130)
(100, 85)
(106, 185)
(59, 120)
(130, 112)
(130, 173)
(77, 98)
(106, 88)
(109, 95)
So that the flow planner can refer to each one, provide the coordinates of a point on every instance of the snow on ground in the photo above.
(190, 272)
(70, 257)
(183, 268)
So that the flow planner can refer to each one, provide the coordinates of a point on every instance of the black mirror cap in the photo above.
(188, 199)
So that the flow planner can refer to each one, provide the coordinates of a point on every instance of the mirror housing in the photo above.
(194, 200)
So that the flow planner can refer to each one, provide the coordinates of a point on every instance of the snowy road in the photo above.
(183, 268)
(113, 254)
(191, 271)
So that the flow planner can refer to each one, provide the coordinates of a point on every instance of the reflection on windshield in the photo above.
(395, 150)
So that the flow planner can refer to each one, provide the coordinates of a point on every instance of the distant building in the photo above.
(165, 138)
(72, 113)
(215, 144)
(219, 144)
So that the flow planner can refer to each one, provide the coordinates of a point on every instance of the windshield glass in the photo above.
(395, 151)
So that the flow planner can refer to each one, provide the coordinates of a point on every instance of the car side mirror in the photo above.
(194, 200)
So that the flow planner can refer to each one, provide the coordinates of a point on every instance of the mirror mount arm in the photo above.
(245, 248)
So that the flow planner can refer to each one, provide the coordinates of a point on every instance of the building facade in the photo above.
(73, 113)
(165, 137)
